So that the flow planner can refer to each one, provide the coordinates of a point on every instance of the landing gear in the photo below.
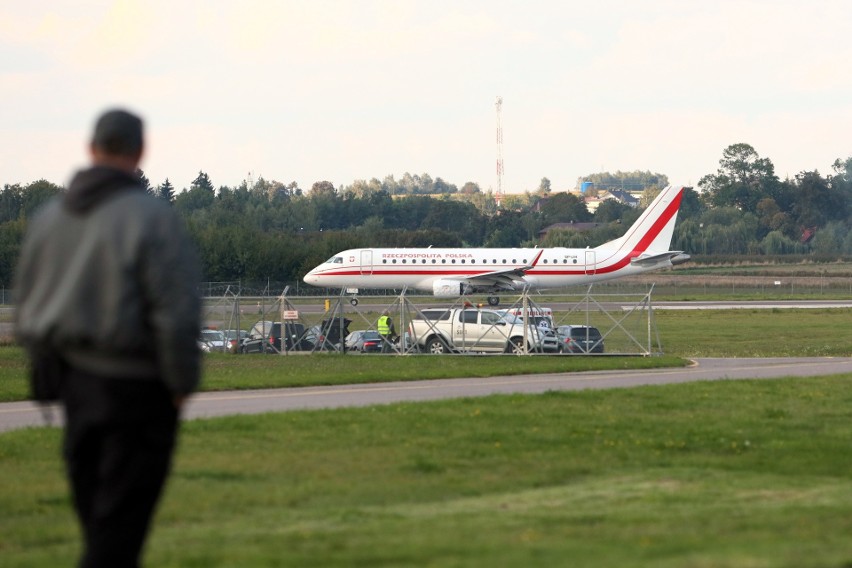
(493, 300)
(353, 301)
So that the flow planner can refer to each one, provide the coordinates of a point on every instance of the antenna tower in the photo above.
(499, 105)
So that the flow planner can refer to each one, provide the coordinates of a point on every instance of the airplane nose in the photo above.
(310, 278)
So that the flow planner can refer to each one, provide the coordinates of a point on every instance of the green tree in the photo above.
(742, 180)
(36, 194)
(11, 199)
(842, 170)
(690, 204)
(146, 183)
(323, 189)
(11, 237)
(817, 201)
(830, 238)
(440, 186)
(470, 187)
(610, 210)
(202, 181)
(771, 218)
(197, 198)
(776, 243)
(544, 186)
(565, 207)
(627, 181)
(166, 191)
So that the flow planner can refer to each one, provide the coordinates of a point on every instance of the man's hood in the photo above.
(92, 186)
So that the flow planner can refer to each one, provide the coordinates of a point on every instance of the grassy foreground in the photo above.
(716, 474)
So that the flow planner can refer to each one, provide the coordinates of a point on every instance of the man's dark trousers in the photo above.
(119, 437)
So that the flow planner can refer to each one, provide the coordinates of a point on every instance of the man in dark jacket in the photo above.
(108, 309)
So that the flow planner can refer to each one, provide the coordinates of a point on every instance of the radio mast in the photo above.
(499, 196)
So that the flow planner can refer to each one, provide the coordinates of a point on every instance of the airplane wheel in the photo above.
(353, 301)
(493, 300)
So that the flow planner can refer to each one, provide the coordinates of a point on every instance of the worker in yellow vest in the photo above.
(386, 330)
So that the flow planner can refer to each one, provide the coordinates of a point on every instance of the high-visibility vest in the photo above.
(384, 325)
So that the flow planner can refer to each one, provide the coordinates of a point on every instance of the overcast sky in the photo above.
(345, 90)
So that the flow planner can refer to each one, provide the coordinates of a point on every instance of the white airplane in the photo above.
(453, 272)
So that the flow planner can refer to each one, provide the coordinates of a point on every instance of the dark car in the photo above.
(364, 341)
(234, 339)
(579, 339)
(331, 333)
(265, 337)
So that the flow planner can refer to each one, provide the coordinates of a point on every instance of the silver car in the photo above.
(211, 340)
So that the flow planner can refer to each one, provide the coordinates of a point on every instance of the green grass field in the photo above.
(715, 474)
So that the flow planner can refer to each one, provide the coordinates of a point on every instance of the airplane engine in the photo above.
(450, 288)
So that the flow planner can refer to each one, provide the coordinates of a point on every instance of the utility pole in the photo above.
(499, 195)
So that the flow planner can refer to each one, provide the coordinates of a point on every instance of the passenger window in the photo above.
(468, 316)
(489, 319)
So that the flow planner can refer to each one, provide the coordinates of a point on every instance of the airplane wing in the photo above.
(673, 256)
(502, 279)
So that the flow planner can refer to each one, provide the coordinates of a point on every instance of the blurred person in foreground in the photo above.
(109, 312)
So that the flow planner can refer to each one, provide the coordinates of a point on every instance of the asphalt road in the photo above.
(208, 405)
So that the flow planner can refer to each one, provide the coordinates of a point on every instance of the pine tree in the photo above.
(166, 191)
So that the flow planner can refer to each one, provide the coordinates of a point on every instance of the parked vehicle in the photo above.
(331, 334)
(211, 340)
(441, 330)
(265, 337)
(234, 339)
(579, 339)
(364, 341)
(542, 319)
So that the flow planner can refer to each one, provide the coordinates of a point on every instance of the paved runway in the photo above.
(207, 405)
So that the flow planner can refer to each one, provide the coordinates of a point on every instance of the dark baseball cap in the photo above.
(118, 132)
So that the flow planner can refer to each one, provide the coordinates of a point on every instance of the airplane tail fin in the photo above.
(652, 232)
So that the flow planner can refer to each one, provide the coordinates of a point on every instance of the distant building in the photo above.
(624, 197)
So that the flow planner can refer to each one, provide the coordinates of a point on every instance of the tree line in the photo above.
(267, 230)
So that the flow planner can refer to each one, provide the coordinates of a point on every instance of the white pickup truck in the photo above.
(445, 330)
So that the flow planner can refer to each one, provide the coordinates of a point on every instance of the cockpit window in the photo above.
(335, 260)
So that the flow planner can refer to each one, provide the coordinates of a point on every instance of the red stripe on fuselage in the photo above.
(640, 247)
